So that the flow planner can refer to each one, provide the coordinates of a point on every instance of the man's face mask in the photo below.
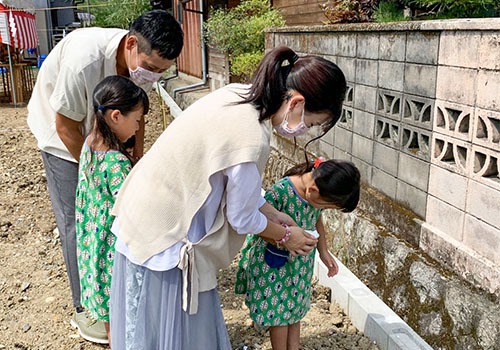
(141, 76)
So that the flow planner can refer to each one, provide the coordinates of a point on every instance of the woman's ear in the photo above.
(297, 100)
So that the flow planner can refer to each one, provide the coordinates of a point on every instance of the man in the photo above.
(60, 114)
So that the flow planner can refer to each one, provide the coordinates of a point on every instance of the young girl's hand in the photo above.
(330, 263)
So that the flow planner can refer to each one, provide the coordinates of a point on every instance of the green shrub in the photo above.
(240, 32)
(388, 12)
(244, 65)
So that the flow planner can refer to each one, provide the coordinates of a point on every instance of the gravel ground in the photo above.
(35, 303)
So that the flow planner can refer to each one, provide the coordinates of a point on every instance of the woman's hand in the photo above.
(299, 242)
(276, 216)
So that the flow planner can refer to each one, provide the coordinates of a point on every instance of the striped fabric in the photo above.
(20, 25)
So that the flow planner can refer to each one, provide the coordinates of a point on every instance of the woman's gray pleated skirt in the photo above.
(146, 312)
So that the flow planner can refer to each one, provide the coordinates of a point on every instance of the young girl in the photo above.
(104, 163)
(277, 286)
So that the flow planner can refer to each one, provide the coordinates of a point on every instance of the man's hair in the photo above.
(158, 30)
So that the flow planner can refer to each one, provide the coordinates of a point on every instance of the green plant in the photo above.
(454, 8)
(117, 13)
(388, 11)
(240, 33)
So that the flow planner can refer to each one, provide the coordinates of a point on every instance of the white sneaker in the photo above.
(88, 328)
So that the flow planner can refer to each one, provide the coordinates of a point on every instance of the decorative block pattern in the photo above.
(418, 111)
(486, 166)
(389, 104)
(388, 131)
(416, 142)
(454, 120)
(487, 129)
(349, 96)
(450, 153)
(346, 118)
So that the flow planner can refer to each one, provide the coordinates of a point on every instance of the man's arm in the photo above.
(70, 133)
(139, 141)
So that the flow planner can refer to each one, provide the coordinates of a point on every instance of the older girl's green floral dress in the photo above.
(278, 296)
(101, 175)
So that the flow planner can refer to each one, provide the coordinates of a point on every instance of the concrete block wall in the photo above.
(421, 120)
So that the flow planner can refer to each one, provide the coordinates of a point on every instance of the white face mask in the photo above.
(143, 77)
(284, 130)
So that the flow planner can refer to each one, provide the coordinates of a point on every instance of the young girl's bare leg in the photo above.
(279, 337)
(293, 338)
(106, 326)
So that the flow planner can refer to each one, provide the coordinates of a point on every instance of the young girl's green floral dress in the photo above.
(101, 175)
(278, 296)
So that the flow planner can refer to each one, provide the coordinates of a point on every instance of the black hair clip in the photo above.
(295, 58)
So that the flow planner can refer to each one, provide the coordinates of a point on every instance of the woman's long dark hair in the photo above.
(338, 181)
(116, 92)
(321, 82)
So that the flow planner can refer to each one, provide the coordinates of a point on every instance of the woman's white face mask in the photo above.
(284, 130)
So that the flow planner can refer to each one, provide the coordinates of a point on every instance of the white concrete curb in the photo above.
(368, 313)
(174, 108)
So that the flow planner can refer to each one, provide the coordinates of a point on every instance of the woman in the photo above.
(184, 210)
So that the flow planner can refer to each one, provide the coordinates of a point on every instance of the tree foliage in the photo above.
(239, 32)
(118, 13)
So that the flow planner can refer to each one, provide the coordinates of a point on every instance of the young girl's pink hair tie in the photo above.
(318, 161)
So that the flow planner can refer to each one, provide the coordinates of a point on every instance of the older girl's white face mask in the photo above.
(284, 130)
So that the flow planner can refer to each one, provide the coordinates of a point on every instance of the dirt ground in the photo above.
(35, 302)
